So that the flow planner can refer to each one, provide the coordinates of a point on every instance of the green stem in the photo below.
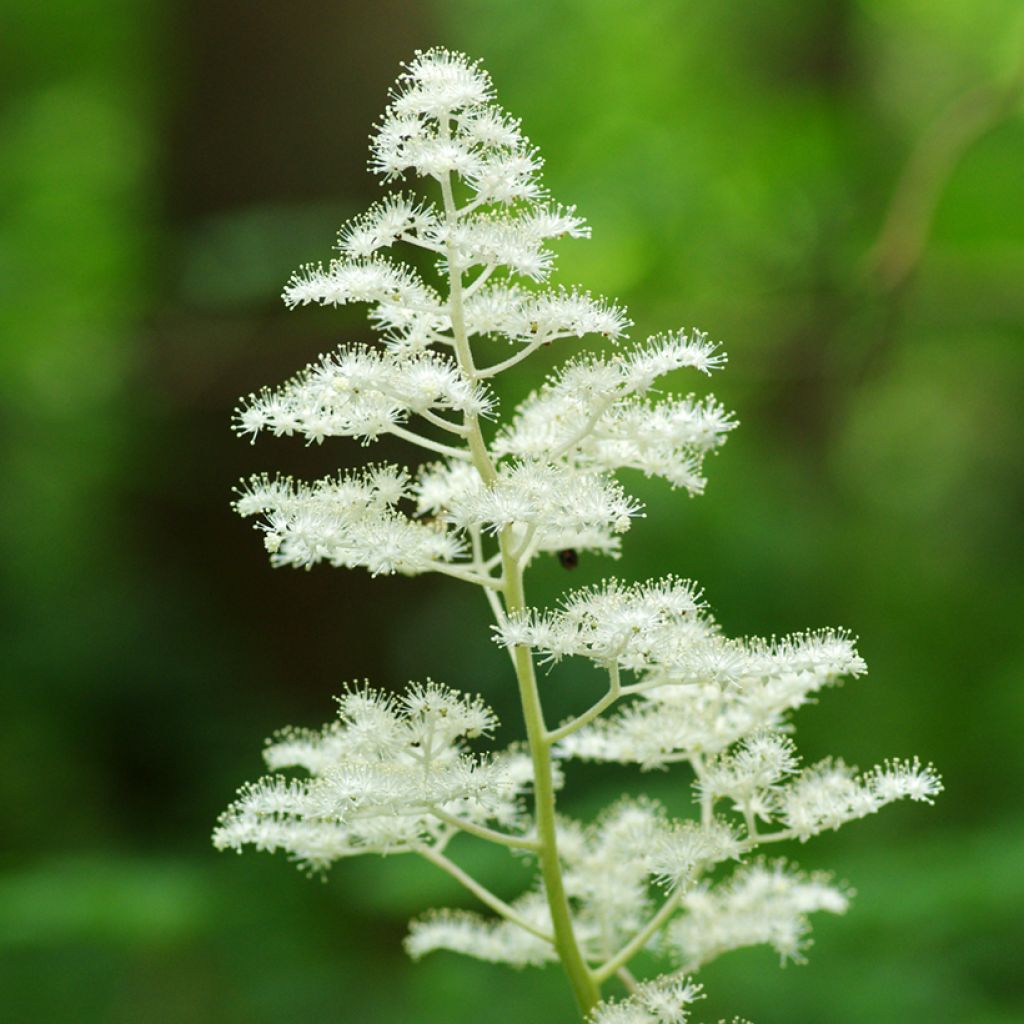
(483, 832)
(614, 691)
(642, 937)
(463, 352)
(583, 983)
(498, 905)
(584, 986)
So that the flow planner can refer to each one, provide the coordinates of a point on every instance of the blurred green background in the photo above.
(834, 188)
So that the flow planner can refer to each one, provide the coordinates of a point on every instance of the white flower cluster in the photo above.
(634, 626)
(761, 904)
(714, 696)
(489, 939)
(349, 520)
(383, 778)
(540, 317)
(611, 872)
(582, 510)
(362, 392)
(594, 413)
(395, 774)
(697, 691)
(545, 508)
(552, 486)
(664, 1001)
(449, 126)
(830, 793)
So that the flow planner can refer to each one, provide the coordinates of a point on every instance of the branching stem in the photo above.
(600, 408)
(440, 421)
(481, 892)
(626, 977)
(614, 691)
(481, 280)
(483, 832)
(425, 442)
(458, 573)
(707, 800)
(524, 353)
(642, 937)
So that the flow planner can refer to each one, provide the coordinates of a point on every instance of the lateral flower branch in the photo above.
(399, 774)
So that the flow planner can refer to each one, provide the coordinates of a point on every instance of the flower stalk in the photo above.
(400, 773)
(584, 986)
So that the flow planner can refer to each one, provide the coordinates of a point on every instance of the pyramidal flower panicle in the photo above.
(491, 491)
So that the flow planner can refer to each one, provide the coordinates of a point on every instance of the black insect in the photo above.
(568, 558)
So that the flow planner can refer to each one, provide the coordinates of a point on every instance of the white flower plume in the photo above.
(492, 940)
(664, 1000)
(830, 793)
(561, 509)
(594, 414)
(751, 774)
(635, 626)
(538, 318)
(717, 697)
(609, 871)
(761, 904)
(362, 392)
(442, 121)
(394, 219)
(697, 690)
(378, 779)
(396, 773)
(349, 520)
(551, 484)
(371, 280)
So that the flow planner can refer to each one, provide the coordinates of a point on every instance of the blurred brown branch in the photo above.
(904, 234)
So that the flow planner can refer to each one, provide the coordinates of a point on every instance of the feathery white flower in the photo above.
(361, 392)
(442, 121)
(489, 128)
(439, 485)
(607, 874)
(663, 353)
(349, 520)
(365, 280)
(899, 779)
(592, 414)
(516, 242)
(498, 241)
(494, 941)
(562, 509)
(395, 218)
(396, 773)
(507, 176)
(830, 793)
(761, 904)
(751, 773)
(661, 1001)
(538, 318)
(699, 692)
(566, 313)
(634, 626)
(376, 777)
(608, 868)
(439, 82)
(686, 849)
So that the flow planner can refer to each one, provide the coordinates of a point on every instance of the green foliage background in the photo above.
(165, 165)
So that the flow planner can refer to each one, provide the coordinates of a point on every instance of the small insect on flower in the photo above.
(568, 558)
